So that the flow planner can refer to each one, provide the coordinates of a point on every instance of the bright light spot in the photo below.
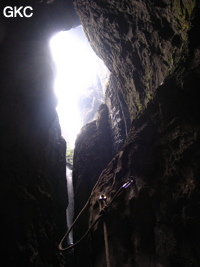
(76, 68)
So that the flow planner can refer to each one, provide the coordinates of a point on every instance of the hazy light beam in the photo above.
(76, 66)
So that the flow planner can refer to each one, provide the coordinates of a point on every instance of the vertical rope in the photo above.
(106, 245)
(103, 211)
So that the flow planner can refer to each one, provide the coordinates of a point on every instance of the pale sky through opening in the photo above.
(76, 66)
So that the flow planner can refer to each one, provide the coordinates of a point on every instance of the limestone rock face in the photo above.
(56, 175)
(119, 117)
(140, 42)
(49, 17)
(32, 152)
(154, 221)
(152, 49)
(92, 153)
(27, 113)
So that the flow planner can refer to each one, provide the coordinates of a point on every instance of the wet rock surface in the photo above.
(141, 43)
(56, 175)
(152, 49)
(147, 225)
(119, 117)
(92, 153)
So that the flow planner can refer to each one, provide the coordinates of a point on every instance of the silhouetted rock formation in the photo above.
(152, 48)
(92, 153)
(32, 152)
(56, 175)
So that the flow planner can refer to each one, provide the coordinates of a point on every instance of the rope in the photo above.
(106, 244)
(71, 227)
(73, 224)
(81, 239)
(101, 214)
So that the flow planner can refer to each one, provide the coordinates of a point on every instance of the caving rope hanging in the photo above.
(104, 210)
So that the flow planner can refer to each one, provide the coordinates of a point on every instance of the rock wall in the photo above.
(156, 220)
(92, 153)
(56, 175)
(141, 43)
(152, 48)
(119, 117)
(32, 152)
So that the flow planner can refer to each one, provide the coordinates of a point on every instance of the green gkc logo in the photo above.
(13, 12)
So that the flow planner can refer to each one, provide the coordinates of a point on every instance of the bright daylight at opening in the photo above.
(81, 78)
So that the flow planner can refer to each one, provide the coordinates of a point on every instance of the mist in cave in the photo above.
(80, 83)
(79, 72)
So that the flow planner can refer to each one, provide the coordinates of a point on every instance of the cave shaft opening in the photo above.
(80, 81)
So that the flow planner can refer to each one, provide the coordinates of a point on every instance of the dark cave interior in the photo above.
(148, 130)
